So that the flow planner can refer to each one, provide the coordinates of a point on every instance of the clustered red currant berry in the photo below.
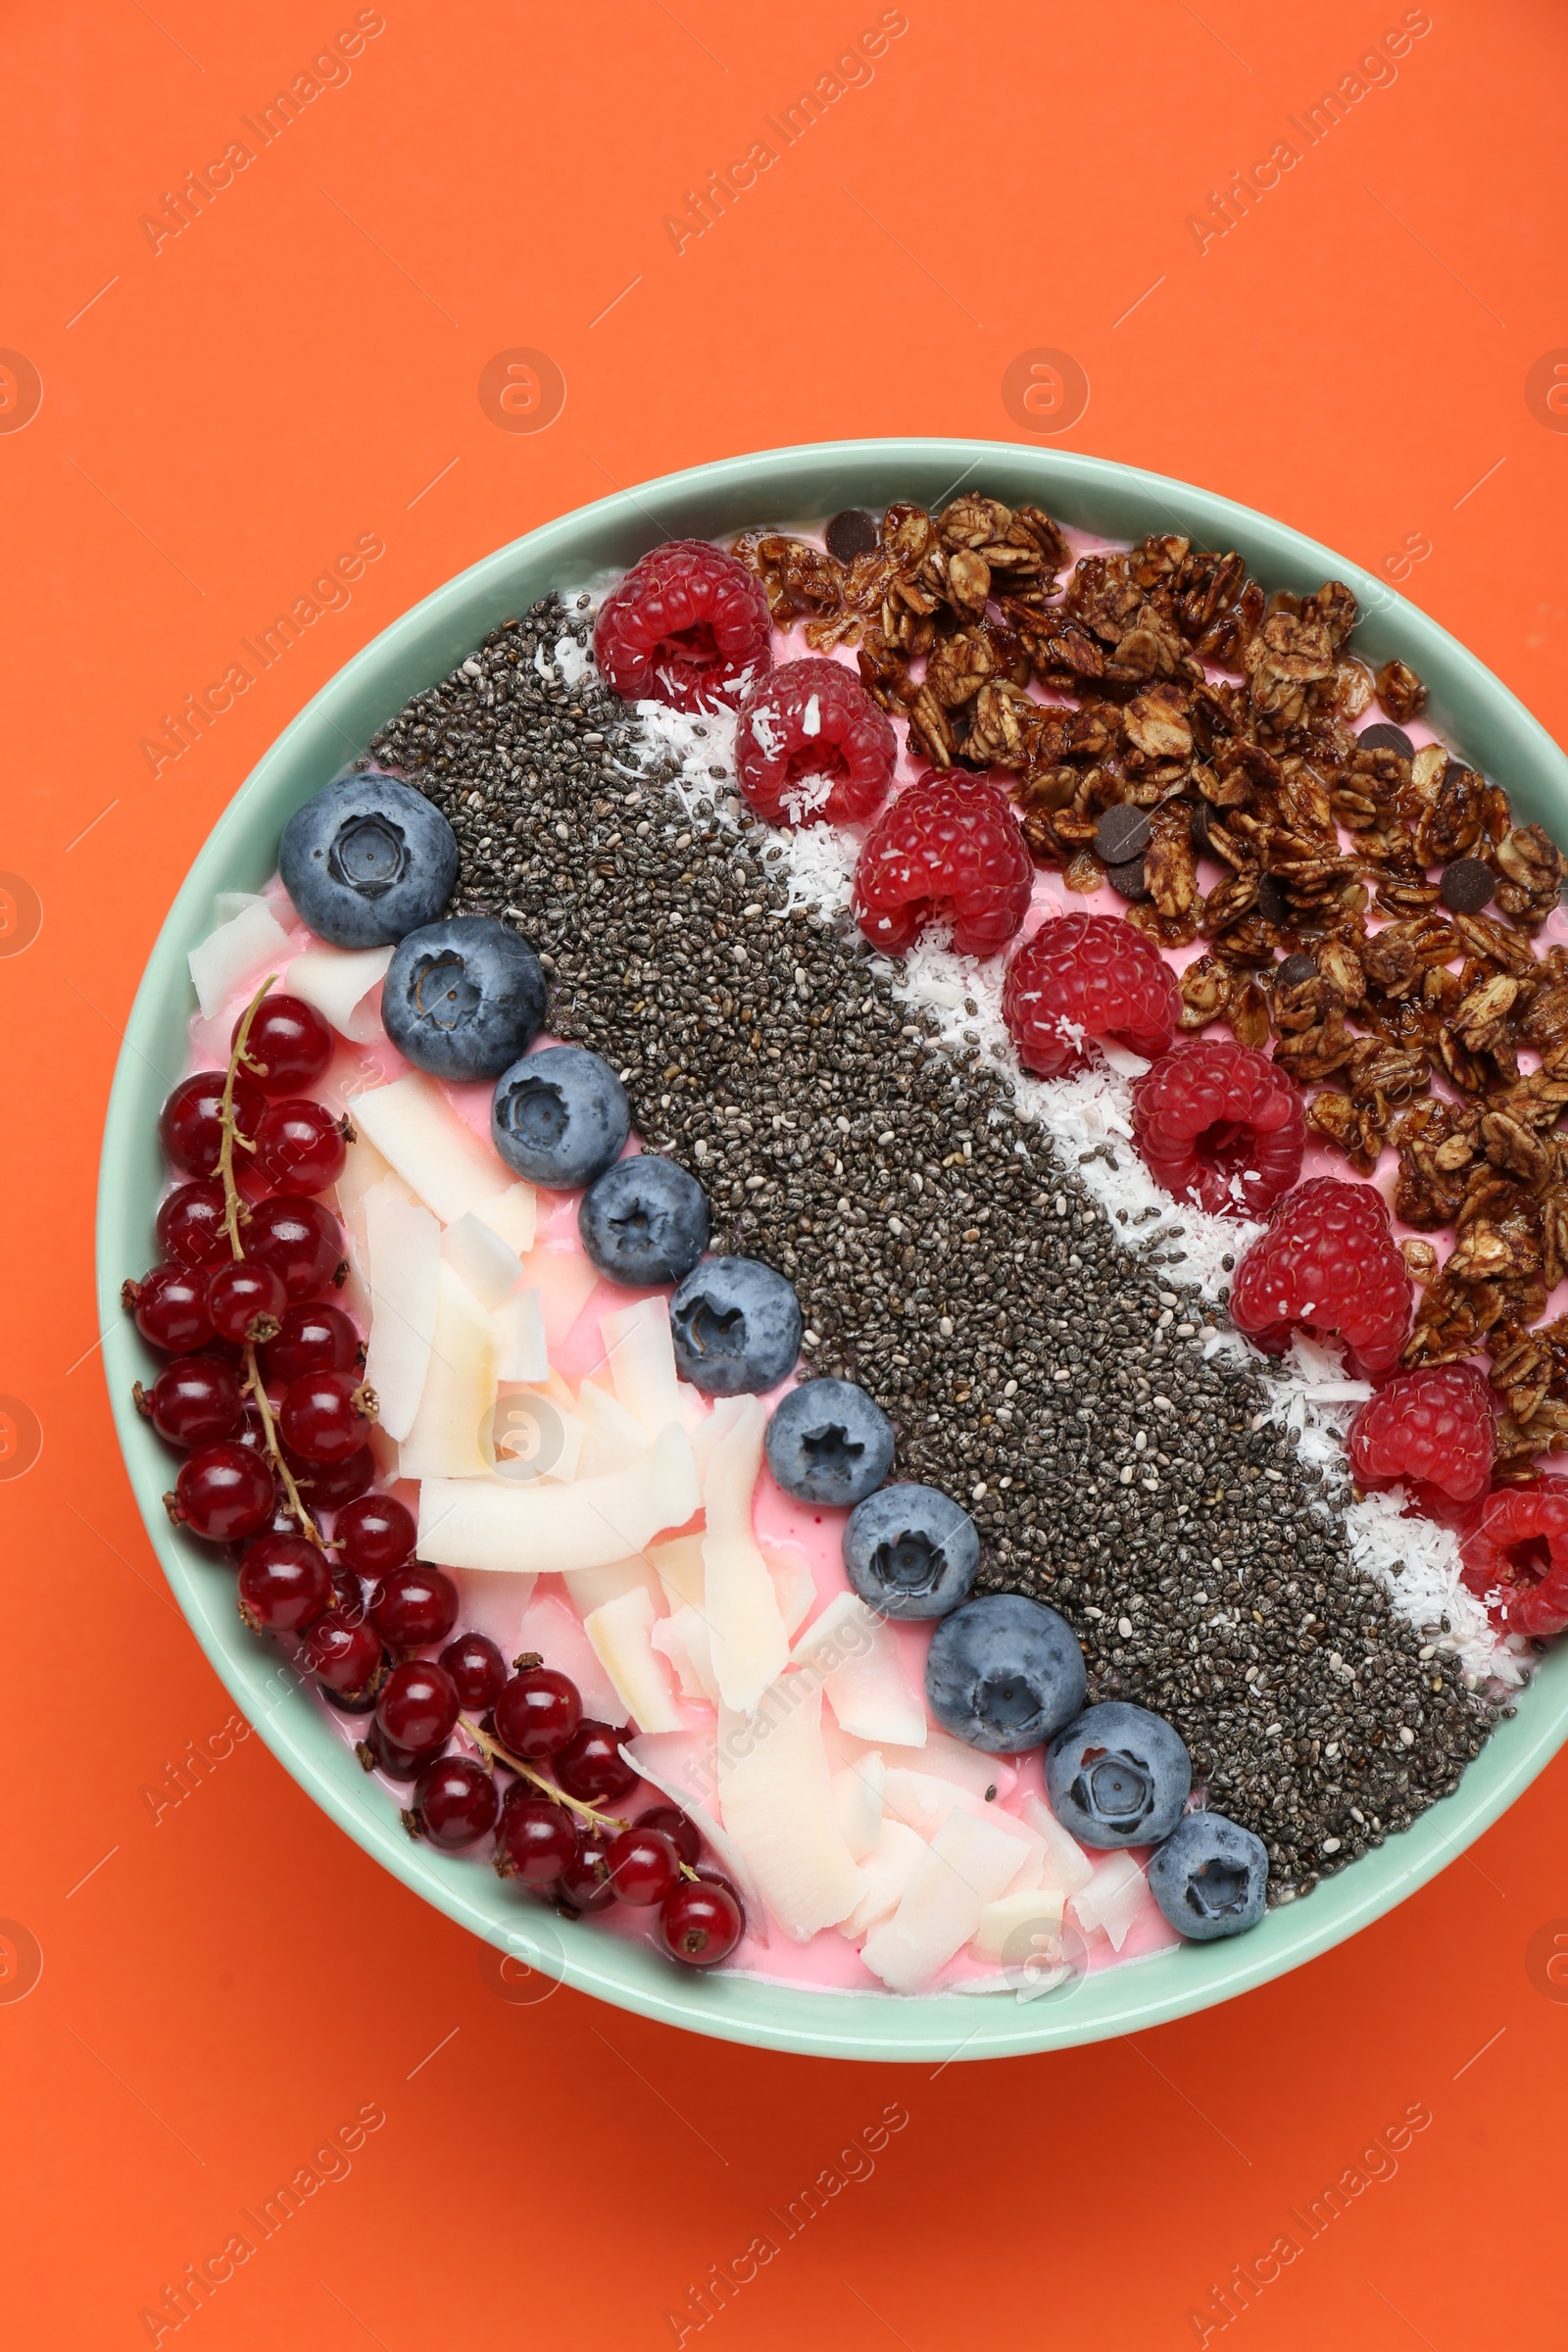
(288, 1045)
(375, 1534)
(247, 1324)
(414, 1606)
(193, 1400)
(538, 1714)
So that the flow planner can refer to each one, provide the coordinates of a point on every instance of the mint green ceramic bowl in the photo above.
(779, 486)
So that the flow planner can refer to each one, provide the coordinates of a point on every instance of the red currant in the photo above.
(678, 1827)
(190, 1225)
(701, 1922)
(284, 1584)
(310, 1339)
(299, 1147)
(323, 1415)
(585, 1882)
(244, 1301)
(418, 1704)
(537, 1713)
(252, 1430)
(349, 1702)
(536, 1842)
(398, 1762)
(224, 1492)
(192, 1401)
(347, 1597)
(454, 1802)
(170, 1306)
(643, 1865)
(345, 1657)
(476, 1665)
(300, 1240)
(190, 1124)
(289, 1044)
(327, 1485)
(414, 1607)
(591, 1766)
(376, 1533)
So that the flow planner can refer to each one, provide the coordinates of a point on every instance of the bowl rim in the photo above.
(424, 645)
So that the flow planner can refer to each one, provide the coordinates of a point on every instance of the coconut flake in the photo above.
(522, 1353)
(852, 1653)
(439, 1156)
(1112, 1899)
(238, 950)
(967, 1865)
(858, 1801)
(1018, 1925)
(445, 1439)
(341, 982)
(885, 1874)
(480, 1257)
(642, 1361)
(776, 1800)
(620, 1631)
(404, 1251)
(740, 1601)
(476, 1523)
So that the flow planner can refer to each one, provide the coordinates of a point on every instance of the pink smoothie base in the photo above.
(536, 1612)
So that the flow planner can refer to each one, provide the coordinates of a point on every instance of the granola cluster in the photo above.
(1329, 933)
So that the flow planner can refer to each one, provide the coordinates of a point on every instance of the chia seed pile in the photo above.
(1034, 1367)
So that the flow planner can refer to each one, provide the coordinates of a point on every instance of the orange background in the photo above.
(225, 1986)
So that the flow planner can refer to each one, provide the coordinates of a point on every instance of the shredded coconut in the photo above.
(1417, 1561)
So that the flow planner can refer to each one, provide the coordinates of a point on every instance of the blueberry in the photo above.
(559, 1117)
(367, 859)
(1004, 1672)
(464, 998)
(643, 1222)
(912, 1552)
(736, 1326)
(828, 1442)
(1118, 1776)
(1211, 1878)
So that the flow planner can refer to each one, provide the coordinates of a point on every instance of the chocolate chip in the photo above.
(1383, 738)
(1293, 970)
(849, 534)
(1198, 826)
(1467, 885)
(1273, 902)
(1128, 879)
(1122, 833)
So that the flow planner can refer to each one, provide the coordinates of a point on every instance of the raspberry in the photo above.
(1328, 1262)
(1517, 1559)
(949, 850)
(1082, 976)
(812, 746)
(1220, 1124)
(687, 627)
(1433, 1429)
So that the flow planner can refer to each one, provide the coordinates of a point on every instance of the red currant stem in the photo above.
(254, 1382)
(226, 1115)
(257, 1389)
(558, 1796)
